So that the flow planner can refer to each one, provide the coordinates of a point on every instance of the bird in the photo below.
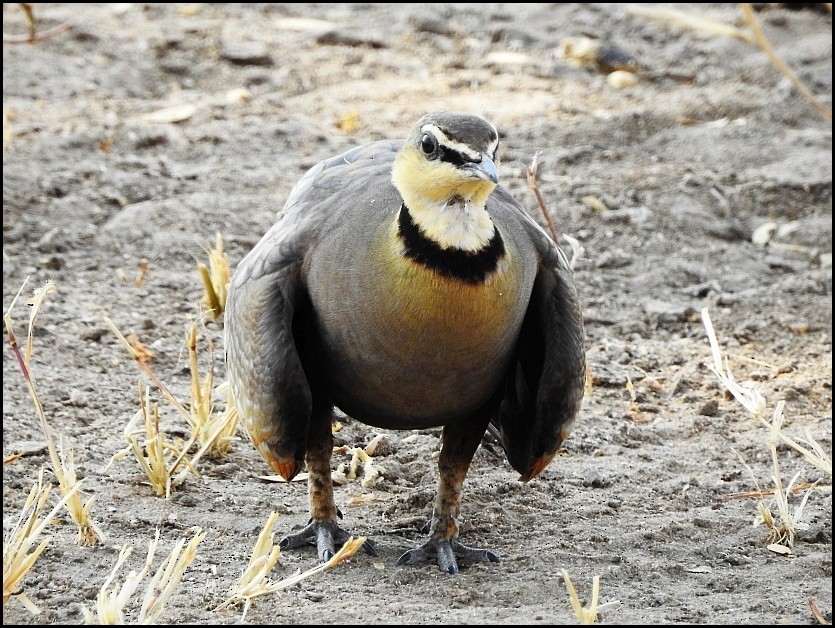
(404, 286)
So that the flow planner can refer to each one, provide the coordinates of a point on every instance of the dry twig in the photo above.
(682, 19)
(532, 173)
(811, 602)
(762, 42)
(760, 494)
(31, 26)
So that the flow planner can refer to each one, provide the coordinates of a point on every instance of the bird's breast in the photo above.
(406, 347)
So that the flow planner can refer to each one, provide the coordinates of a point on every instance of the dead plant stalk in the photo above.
(63, 464)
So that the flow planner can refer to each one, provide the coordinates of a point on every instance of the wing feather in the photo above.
(544, 387)
(268, 298)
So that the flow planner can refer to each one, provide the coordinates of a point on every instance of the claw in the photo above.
(446, 558)
(369, 547)
(417, 555)
(325, 541)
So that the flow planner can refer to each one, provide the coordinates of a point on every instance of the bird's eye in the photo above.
(428, 144)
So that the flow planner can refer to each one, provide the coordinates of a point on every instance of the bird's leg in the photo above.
(460, 441)
(322, 529)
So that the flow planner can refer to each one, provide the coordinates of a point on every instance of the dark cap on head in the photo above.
(466, 128)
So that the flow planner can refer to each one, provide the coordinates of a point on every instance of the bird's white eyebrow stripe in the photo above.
(463, 149)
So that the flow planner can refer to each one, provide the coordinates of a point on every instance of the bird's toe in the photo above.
(445, 552)
(326, 536)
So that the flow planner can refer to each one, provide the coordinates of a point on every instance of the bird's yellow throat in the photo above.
(446, 206)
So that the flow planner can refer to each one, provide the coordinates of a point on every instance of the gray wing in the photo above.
(271, 393)
(544, 388)
(267, 295)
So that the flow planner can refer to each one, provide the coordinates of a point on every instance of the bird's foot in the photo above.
(326, 536)
(445, 551)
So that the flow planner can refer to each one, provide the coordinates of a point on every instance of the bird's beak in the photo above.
(485, 169)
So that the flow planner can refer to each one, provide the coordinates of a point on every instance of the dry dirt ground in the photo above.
(663, 184)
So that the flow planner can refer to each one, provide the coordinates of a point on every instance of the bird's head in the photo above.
(445, 172)
(447, 156)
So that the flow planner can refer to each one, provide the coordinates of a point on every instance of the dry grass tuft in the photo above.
(215, 278)
(783, 531)
(157, 457)
(63, 464)
(753, 401)
(255, 581)
(585, 615)
(215, 431)
(141, 360)
(372, 473)
(167, 577)
(19, 549)
(783, 528)
(111, 602)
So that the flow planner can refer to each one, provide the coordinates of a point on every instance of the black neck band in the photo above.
(468, 266)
